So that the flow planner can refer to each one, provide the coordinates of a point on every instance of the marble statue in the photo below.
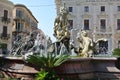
(16, 44)
(20, 47)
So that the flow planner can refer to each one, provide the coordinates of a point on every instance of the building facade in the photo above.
(25, 24)
(6, 22)
(24, 21)
(100, 18)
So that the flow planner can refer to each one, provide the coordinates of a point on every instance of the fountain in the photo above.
(61, 25)
(61, 32)
(82, 66)
(32, 45)
(19, 47)
(63, 44)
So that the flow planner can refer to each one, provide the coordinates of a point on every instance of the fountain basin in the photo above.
(16, 67)
(73, 69)
(89, 68)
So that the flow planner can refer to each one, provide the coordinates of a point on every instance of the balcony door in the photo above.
(4, 31)
(5, 14)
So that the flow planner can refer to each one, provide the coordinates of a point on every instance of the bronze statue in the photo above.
(86, 45)
(61, 31)
(61, 23)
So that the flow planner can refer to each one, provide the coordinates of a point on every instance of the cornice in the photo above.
(117, 15)
(6, 2)
(86, 16)
(23, 6)
(102, 15)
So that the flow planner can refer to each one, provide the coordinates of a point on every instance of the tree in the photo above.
(116, 52)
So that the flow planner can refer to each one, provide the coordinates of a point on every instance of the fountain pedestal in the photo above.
(88, 68)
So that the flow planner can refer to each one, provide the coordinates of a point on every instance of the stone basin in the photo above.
(89, 68)
(73, 69)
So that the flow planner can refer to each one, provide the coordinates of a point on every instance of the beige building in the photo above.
(6, 22)
(24, 21)
(100, 18)
(16, 20)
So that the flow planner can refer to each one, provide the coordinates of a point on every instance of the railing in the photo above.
(5, 20)
(4, 36)
(107, 30)
(19, 18)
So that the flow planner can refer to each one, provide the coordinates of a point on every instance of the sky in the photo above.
(44, 11)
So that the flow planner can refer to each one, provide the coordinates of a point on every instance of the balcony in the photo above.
(102, 15)
(5, 20)
(103, 30)
(107, 30)
(17, 18)
(4, 36)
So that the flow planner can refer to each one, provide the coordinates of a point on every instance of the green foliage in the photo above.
(3, 45)
(44, 75)
(2, 61)
(52, 76)
(47, 63)
(41, 75)
(116, 52)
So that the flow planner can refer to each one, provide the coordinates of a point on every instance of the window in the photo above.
(4, 33)
(102, 8)
(119, 44)
(70, 24)
(102, 24)
(86, 24)
(118, 24)
(70, 9)
(19, 26)
(118, 8)
(5, 14)
(86, 9)
(19, 13)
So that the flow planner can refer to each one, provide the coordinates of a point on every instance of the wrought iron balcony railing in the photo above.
(4, 36)
(5, 20)
(19, 18)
